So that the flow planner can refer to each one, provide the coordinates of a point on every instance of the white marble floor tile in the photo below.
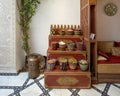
(60, 92)
(88, 92)
(117, 84)
(42, 82)
(114, 91)
(30, 81)
(5, 92)
(100, 86)
(13, 80)
(41, 75)
(33, 90)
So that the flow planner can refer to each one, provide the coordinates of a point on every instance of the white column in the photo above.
(8, 38)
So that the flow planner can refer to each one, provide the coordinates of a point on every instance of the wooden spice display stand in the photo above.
(68, 78)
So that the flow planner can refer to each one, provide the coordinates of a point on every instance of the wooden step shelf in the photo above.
(66, 38)
(67, 79)
(58, 53)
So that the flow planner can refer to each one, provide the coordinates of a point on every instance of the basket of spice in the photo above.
(63, 63)
(78, 32)
(54, 45)
(62, 32)
(83, 65)
(71, 46)
(51, 64)
(70, 32)
(72, 63)
(62, 45)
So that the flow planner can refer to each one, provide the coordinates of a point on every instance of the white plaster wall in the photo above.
(52, 12)
(108, 27)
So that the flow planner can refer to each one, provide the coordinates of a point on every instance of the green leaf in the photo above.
(27, 9)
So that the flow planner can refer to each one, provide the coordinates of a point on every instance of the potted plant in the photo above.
(27, 9)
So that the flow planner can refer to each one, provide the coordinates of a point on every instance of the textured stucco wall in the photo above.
(108, 27)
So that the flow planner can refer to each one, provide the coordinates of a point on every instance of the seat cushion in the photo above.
(106, 46)
(114, 59)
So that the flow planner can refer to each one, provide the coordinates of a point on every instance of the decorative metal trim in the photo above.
(67, 81)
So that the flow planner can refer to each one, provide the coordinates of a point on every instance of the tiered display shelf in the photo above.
(69, 78)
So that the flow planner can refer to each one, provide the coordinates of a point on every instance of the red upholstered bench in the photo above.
(108, 62)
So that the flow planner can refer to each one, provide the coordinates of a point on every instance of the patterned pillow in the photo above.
(101, 57)
(116, 51)
(102, 53)
(117, 44)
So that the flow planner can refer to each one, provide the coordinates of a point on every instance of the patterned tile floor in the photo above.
(21, 85)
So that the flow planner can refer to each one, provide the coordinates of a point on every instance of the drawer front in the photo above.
(67, 81)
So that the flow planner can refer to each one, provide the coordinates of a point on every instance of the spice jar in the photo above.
(72, 63)
(63, 63)
(51, 64)
(62, 45)
(54, 45)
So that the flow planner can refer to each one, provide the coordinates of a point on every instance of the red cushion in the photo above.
(102, 53)
(117, 44)
(114, 59)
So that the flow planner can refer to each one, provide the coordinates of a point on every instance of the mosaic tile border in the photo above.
(8, 74)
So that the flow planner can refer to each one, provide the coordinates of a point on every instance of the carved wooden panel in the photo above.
(93, 2)
(84, 2)
(85, 21)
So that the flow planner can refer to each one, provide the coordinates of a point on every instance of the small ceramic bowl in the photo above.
(70, 32)
(83, 65)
